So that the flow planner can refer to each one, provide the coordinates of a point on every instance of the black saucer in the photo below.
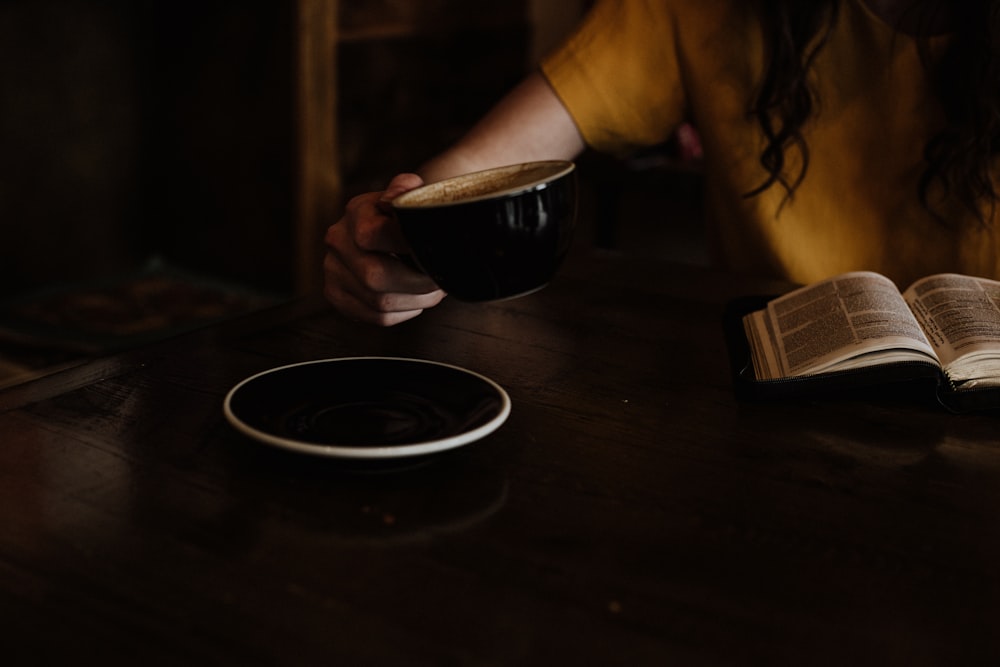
(367, 407)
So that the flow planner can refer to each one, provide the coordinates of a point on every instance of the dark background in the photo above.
(139, 129)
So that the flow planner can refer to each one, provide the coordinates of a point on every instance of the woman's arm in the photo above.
(530, 123)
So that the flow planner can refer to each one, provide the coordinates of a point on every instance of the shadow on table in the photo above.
(363, 502)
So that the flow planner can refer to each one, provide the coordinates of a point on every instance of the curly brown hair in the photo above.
(966, 82)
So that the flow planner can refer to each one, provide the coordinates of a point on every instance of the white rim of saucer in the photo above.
(369, 451)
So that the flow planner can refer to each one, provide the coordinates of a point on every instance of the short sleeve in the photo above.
(619, 76)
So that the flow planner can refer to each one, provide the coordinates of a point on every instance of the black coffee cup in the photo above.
(493, 234)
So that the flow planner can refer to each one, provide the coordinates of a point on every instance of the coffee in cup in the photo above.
(493, 234)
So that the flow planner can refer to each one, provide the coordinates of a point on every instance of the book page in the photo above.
(961, 315)
(852, 320)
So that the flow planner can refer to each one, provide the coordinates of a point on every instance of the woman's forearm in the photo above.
(529, 123)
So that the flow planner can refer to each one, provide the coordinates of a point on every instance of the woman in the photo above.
(837, 135)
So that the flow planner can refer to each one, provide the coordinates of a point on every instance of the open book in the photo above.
(859, 325)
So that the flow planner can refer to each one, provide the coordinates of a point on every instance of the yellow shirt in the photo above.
(638, 68)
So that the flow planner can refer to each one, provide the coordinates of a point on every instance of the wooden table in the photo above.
(630, 511)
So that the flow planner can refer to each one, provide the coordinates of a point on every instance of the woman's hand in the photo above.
(363, 277)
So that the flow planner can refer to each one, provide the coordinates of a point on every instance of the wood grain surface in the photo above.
(631, 511)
